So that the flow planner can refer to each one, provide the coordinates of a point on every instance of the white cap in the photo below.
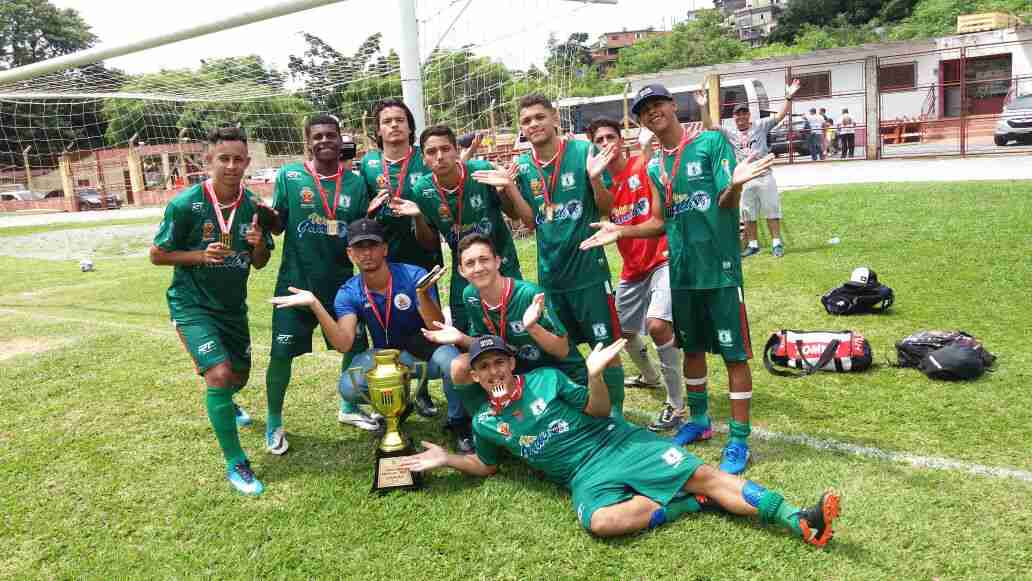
(862, 276)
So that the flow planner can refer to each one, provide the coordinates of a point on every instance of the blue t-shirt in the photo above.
(405, 320)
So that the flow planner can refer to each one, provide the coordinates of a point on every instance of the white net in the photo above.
(472, 77)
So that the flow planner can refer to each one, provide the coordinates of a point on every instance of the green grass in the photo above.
(26, 230)
(108, 465)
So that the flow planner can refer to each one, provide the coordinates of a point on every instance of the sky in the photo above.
(512, 31)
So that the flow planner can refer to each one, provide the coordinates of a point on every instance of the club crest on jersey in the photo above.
(208, 230)
(599, 329)
(197, 207)
(724, 337)
(444, 213)
(693, 169)
(402, 301)
(413, 179)
(381, 182)
(517, 326)
(538, 407)
(529, 353)
(307, 196)
(505, 430)
(476, 202)
(567, 180)
(634, 182)
(535, 187)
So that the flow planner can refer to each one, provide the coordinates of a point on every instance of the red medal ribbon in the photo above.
(459, 193)
(402, 174)
(548, 188)
(389, 295)
(497, 404)
(224, 225)
(331, 213)
(685, 140)
(504, 310)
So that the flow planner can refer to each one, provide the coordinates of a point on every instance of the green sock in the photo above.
(678, 507)
(222, 416)
(738, 431)
(277, 377)
(774, 508)
(698, 404)
(614, 379)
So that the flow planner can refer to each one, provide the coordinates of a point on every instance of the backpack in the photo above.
(815, 351)
(912, 351)
(954, 362)
(862, 293)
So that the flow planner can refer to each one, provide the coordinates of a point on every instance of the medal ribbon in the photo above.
(685, 140)
(503, 310)
(224, 226)
(402, 174)
(549, 187)
(497, 404)
(331, 213)
(458, 195)
(389, 295)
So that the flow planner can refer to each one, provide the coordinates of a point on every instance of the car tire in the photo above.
(1000, 140)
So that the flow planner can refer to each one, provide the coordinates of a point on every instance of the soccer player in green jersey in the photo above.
(459, 198)
(390, 173)
(622, 478)
(211, 235)
(315, 200)
(555, 180)
(516, 310)
(696, 190)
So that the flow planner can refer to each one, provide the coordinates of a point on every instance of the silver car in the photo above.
(1015, 122)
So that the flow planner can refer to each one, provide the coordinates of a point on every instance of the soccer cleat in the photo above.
(351, 414)
(734, 458)
(750, 250)
(693, 432)
(778, 250)
(668, 419)
(276, 442)
(242, 419)
(815, 523)
(640, 381)
(463, 436)
(424, 405)
(243, 479)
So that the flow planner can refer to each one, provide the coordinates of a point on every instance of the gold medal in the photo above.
(226, 240)
(331, 227)
(549, 211)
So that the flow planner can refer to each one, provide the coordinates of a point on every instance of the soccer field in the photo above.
(108, 466)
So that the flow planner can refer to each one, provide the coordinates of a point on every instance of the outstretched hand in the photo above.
(299, 298)
(403, 207)
(433, 457)
(493, 177)
(790, 90)
(600, 356)
(751, 168)
(378, 201)
(597, 164)
(533, 313)
(607, 234)
(442, 334)
(701, 98)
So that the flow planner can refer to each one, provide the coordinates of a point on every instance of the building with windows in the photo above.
(609, 45)
(754, 21)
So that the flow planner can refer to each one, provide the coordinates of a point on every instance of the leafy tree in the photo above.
(36, 30)
(939, 17)
(570, 55)
(698, 42)
(838, 14)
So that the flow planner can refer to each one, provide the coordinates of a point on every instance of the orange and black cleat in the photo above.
(815, 523)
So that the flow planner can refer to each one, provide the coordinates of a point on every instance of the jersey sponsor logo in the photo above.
(538, 407)
(503, 429)
(238, 260)
(529, 353)
(316, 224)
(699, 201)
(724, 337)
(402, 301)
(482, 227)
(307, 197)
(673, 456)
(626, 213)
(208, 230)
(205, 348)
(559, 427)
(197, 207)
(571, 210)
(285, 339)
(527, 440)
(293, 175)
(541, 440)
(599, 330)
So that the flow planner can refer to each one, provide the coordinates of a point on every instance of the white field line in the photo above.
(924, 462)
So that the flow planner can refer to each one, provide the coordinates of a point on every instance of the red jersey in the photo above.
(632, 204)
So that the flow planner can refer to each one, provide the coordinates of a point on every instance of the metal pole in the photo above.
(100, 53)
(411, 74)
(963, 101)
(28, 169)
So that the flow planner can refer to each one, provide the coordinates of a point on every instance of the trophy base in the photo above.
(388, 476)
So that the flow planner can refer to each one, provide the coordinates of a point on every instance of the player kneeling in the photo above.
(623, 478)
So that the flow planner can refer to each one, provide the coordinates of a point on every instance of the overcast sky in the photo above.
(514, 31)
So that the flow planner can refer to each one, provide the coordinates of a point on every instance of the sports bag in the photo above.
(954, 362)
(862, 293)
(814, 351)
(916, 349)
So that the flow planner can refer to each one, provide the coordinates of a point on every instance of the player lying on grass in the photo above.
(623, 478)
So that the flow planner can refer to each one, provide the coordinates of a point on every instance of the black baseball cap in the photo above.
(653, 91)
(365, 229)
(486, 343)
(740, 107)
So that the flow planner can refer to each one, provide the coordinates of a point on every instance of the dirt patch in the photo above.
(20, 346)
(75, 244)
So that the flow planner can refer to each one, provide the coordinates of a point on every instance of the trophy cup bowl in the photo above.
(390, 393)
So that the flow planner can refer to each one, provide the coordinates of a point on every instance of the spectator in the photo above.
(828, 136)
(814, 128)
(847, 134)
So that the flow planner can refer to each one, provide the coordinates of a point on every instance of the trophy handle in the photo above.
(421, 368)
(355, 373)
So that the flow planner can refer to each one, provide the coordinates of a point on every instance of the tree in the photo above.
(938, 17)
(36, 30)
(572, 55)
(699, 42)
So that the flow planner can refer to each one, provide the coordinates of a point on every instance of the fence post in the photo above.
(963, 101)
(791, 118)
(135, 174)
(713, 94)
(71, 203)
(872, 113)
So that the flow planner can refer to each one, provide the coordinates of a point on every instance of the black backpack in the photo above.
(862, 293)
(913, 350)
(957, 362)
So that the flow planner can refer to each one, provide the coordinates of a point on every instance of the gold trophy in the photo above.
(389, 394)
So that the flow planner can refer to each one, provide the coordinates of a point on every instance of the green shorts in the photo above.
(292, 333)
(713, 321)
(211, 339)
(643, 463)
(589, 314)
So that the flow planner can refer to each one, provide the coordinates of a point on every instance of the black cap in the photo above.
(365, 229)
(486, 343)
(654, 91)
(740, 107)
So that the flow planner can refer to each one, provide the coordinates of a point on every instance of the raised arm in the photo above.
(599, 404)
(790, 92)
(437, 457)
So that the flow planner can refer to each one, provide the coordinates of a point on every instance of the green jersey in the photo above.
(529, 355)
(562, 265)
(547, 427)
(481, 213)
(315, 243)
(190, 224)
(402, 245)
(703, 237)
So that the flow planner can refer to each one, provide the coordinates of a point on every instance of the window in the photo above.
(813, 85)
(901, 77)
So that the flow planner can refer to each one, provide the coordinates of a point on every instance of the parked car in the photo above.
(1015, 122)
(20, 195)
(778, 138)
(91, 199)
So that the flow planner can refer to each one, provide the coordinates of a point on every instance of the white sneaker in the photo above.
(356, 418)
(276, 442)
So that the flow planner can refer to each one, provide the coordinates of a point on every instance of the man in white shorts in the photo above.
(760, 196)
